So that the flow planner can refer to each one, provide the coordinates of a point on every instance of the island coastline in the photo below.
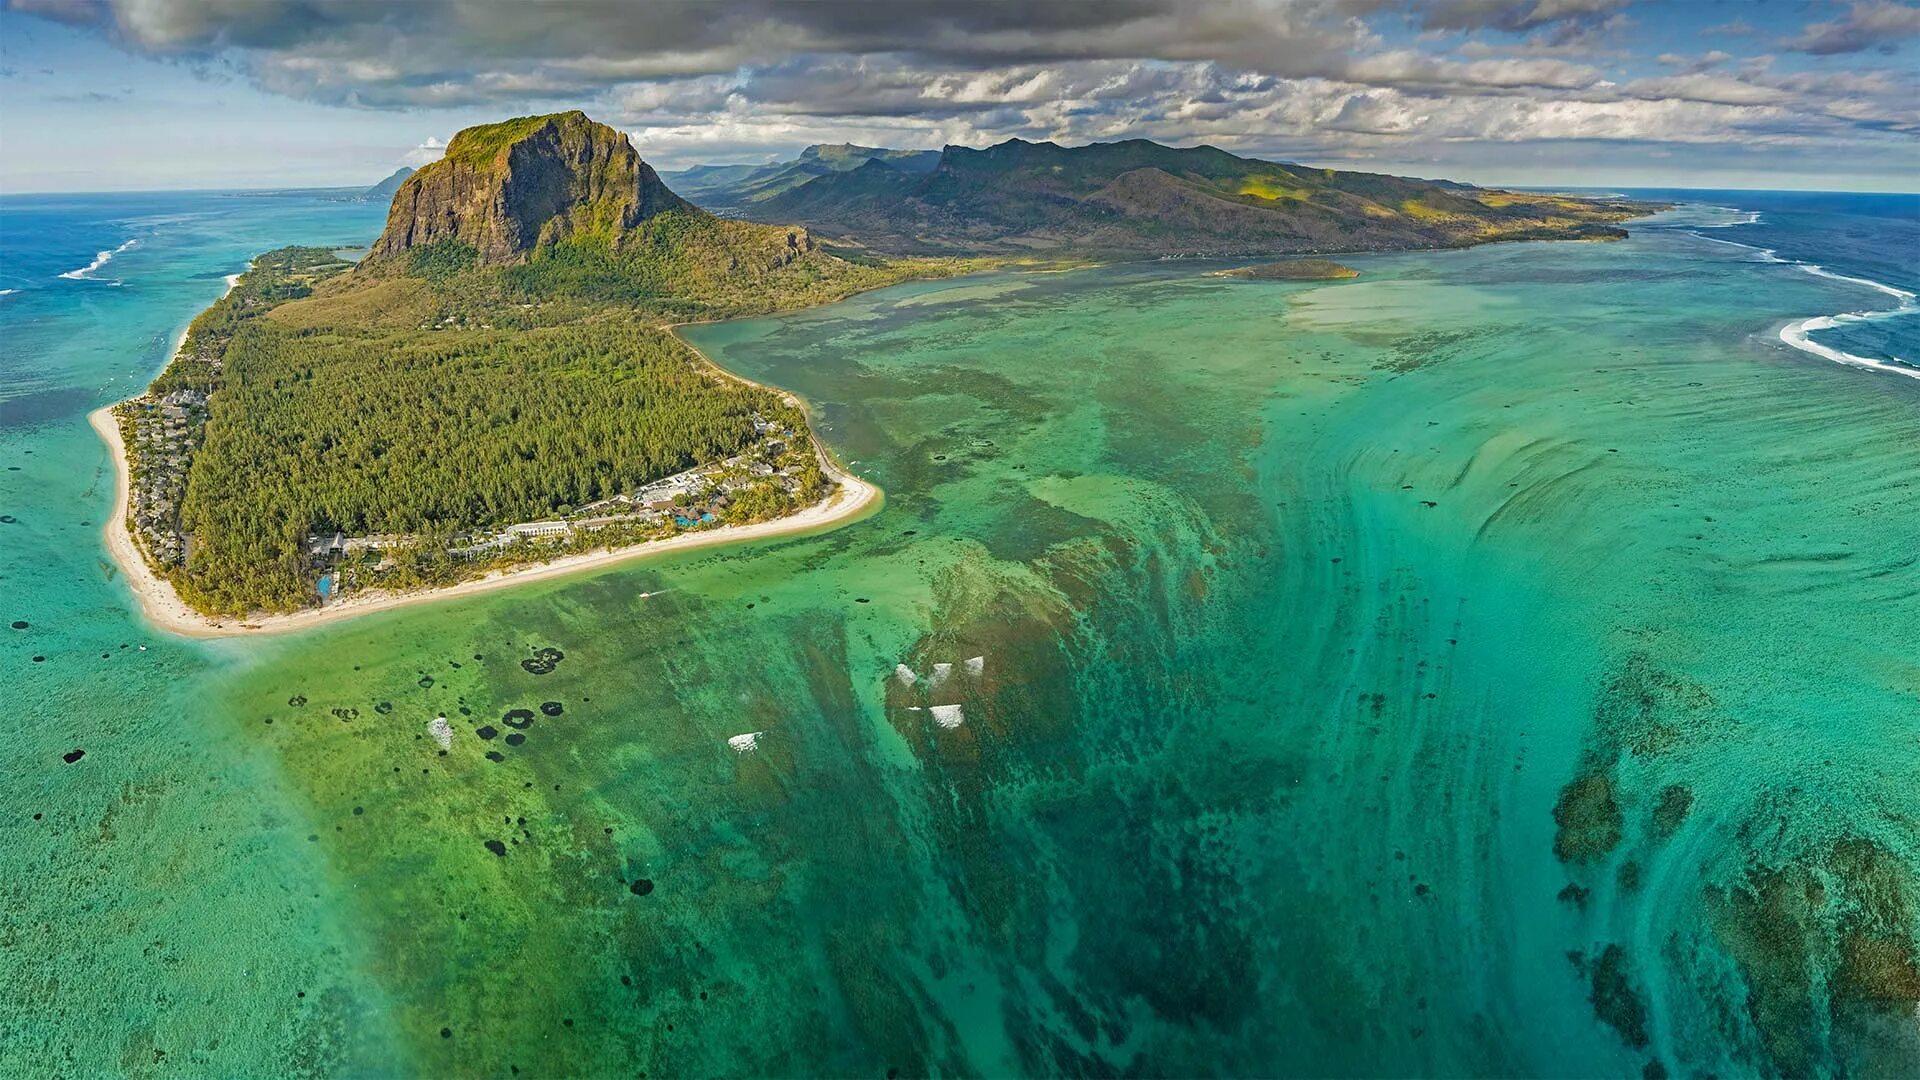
(162, 607)
(160, 604)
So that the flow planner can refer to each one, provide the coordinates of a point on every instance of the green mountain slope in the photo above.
(1138, 198)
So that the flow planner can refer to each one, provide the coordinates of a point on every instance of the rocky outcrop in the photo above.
(509, 188)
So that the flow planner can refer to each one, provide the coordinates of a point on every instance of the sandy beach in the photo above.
(163, 607)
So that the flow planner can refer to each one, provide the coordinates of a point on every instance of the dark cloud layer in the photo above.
(1319, 76)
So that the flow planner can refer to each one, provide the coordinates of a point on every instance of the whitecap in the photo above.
(101, 259)
(746, 744)
(976, 665)
(1797, 334)
(905, 675)
(940, 674)
(441, 731)
(947, 716)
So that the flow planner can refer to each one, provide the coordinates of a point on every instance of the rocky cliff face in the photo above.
(511, 187)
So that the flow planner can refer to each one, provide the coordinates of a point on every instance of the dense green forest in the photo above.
(500, 356)
(449, 397)
(436, 431)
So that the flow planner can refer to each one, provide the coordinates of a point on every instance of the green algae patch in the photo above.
(1293, 270)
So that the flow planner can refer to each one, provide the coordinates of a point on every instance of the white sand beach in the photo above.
(162, 606)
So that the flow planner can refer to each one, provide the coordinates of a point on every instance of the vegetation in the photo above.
(1138, 198)
(474, 376)
(1294, 270)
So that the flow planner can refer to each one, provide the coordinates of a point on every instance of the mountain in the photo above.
(566, 208)
(508, 188)
(498, 357)
(383, 191)
(1139, 198)
(733, 188)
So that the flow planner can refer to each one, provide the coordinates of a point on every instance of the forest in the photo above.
(450, 398)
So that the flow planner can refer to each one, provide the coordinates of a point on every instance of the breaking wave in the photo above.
(1798, 333)
(88, 272)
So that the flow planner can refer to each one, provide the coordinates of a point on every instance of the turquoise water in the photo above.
(1497, 664)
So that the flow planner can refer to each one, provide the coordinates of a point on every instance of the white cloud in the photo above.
(1868, 24)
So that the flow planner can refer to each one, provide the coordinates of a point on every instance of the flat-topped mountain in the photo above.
(505, 189)
(1139, 198)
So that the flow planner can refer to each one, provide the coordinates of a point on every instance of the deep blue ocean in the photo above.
(1872, 238)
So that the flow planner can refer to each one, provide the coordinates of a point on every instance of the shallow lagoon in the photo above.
(1303, 609)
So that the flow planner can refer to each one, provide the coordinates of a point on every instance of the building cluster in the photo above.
(161, 434)
(688, 499)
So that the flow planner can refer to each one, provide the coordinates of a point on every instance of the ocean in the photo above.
(1494, 664)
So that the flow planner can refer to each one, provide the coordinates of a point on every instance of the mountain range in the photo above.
(1128, 199)
(736, 189)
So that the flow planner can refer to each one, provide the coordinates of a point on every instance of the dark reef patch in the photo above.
(641, 886)
(1615, 1000)
(497, 848)
(1589, 819)
(515, 738)
(1826, 945)
(518, 719)
(551, 708)
(1676, 801)
(72, 756)
(543, 661)
(1646, 711)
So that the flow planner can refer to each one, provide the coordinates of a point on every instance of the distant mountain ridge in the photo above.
(732, 189)
(383, 191)
(1136, 198)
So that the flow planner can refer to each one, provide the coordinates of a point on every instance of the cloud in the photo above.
(426, 153)
(1514, 15)
(1712, 58)
(453, 52)
(1869, 24)
(695, 79)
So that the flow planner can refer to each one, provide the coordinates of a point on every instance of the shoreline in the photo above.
(162, 607)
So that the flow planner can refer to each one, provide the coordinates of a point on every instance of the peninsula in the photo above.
(494, 391)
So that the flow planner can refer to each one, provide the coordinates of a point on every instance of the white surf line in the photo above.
(1797, 334)
(101, 259)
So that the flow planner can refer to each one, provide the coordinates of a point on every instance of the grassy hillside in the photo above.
(1139, 198)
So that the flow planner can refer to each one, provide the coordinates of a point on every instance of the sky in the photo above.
(99, 95)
